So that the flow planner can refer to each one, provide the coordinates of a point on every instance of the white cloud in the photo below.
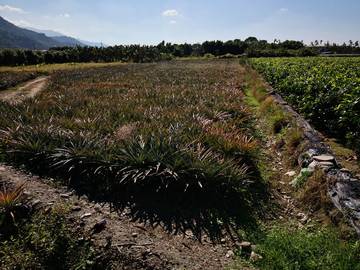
(172, 22)
(283, 10)
(65, 15)
(23, 23)
(170, 13)
(8, 8)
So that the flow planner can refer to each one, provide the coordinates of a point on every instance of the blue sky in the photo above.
(150, 21)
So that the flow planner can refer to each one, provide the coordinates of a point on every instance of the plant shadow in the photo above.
(203, 213)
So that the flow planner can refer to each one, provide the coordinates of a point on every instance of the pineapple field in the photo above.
(199, 153)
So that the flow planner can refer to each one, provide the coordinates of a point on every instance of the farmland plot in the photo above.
(169, 135)
(324, 90)
(196, 147)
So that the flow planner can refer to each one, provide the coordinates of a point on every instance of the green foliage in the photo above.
(288, 249)
(130, 53)
(324, 90)
(278, 120)
(45, 242)
(302, 178)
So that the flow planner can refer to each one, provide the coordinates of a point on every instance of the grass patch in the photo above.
(49, 68)
(315, 192)
(284, 248)
(44, 241)
(293, 138)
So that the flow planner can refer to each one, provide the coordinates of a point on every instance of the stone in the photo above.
(245, 244)
(76, 208)
(326, 164)
(300, 215)
(311, 152)
(86, 215)
(134, 235)
(290, 173)
(313, 165)
(304, 219)
(97, 207)
(229, 254)
(189, 233)
(255, 257)
(65, 195)
(36, 202)
(223, 241)
(99, 226)
(321, 158)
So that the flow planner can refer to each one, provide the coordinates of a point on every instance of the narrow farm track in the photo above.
(140, 246)
(28, 90)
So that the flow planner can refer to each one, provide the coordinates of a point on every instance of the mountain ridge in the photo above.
(15, 37)
(12, 36)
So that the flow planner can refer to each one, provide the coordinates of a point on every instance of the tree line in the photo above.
(251, 46)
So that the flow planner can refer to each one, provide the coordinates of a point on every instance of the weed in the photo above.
(45, 242)
(293, 138)
(315, 192)
(12, 208)
(9, 198)
(302, 178)
(284, 248)
(278, 121)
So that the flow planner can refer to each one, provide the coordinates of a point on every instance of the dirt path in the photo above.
(137, 245)
(28, 90)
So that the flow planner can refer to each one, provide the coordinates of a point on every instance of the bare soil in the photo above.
(28, 90)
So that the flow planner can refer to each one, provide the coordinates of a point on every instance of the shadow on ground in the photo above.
(210, 213)
(214, 213)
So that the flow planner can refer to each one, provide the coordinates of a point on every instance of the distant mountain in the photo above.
(49, 33)
(12, 36)
(59, 37)
(93, 44)
(66, 39)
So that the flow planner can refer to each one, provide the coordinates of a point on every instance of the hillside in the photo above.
(68, 41)
(12, 36)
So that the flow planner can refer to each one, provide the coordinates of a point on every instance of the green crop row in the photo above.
(325, 90)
